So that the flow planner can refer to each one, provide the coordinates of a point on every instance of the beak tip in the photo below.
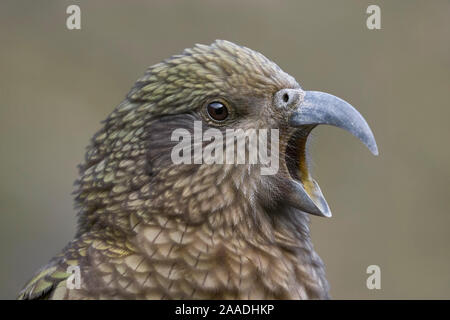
(369, 140)
(372, 146)
(374, 150)
(327, 215)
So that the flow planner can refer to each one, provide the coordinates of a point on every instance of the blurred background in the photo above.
(56, 85)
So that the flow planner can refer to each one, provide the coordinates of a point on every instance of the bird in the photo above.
(149, 228)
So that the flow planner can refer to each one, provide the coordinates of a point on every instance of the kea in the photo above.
(150, 228)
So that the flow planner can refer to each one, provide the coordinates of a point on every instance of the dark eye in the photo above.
(217, 110)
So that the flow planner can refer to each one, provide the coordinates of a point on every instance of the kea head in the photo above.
(130, 175)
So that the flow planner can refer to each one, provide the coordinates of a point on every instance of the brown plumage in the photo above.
(151, 229)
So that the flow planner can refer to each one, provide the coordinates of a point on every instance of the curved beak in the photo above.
(323, 108)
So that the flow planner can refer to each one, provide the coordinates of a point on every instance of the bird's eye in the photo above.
(217, 110)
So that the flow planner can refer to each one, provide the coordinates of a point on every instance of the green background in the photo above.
(57, 85)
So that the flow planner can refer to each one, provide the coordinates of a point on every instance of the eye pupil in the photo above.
(217, 110)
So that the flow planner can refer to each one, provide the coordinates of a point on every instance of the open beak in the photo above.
(319, 108)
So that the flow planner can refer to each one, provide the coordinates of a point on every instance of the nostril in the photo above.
(285, 97)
